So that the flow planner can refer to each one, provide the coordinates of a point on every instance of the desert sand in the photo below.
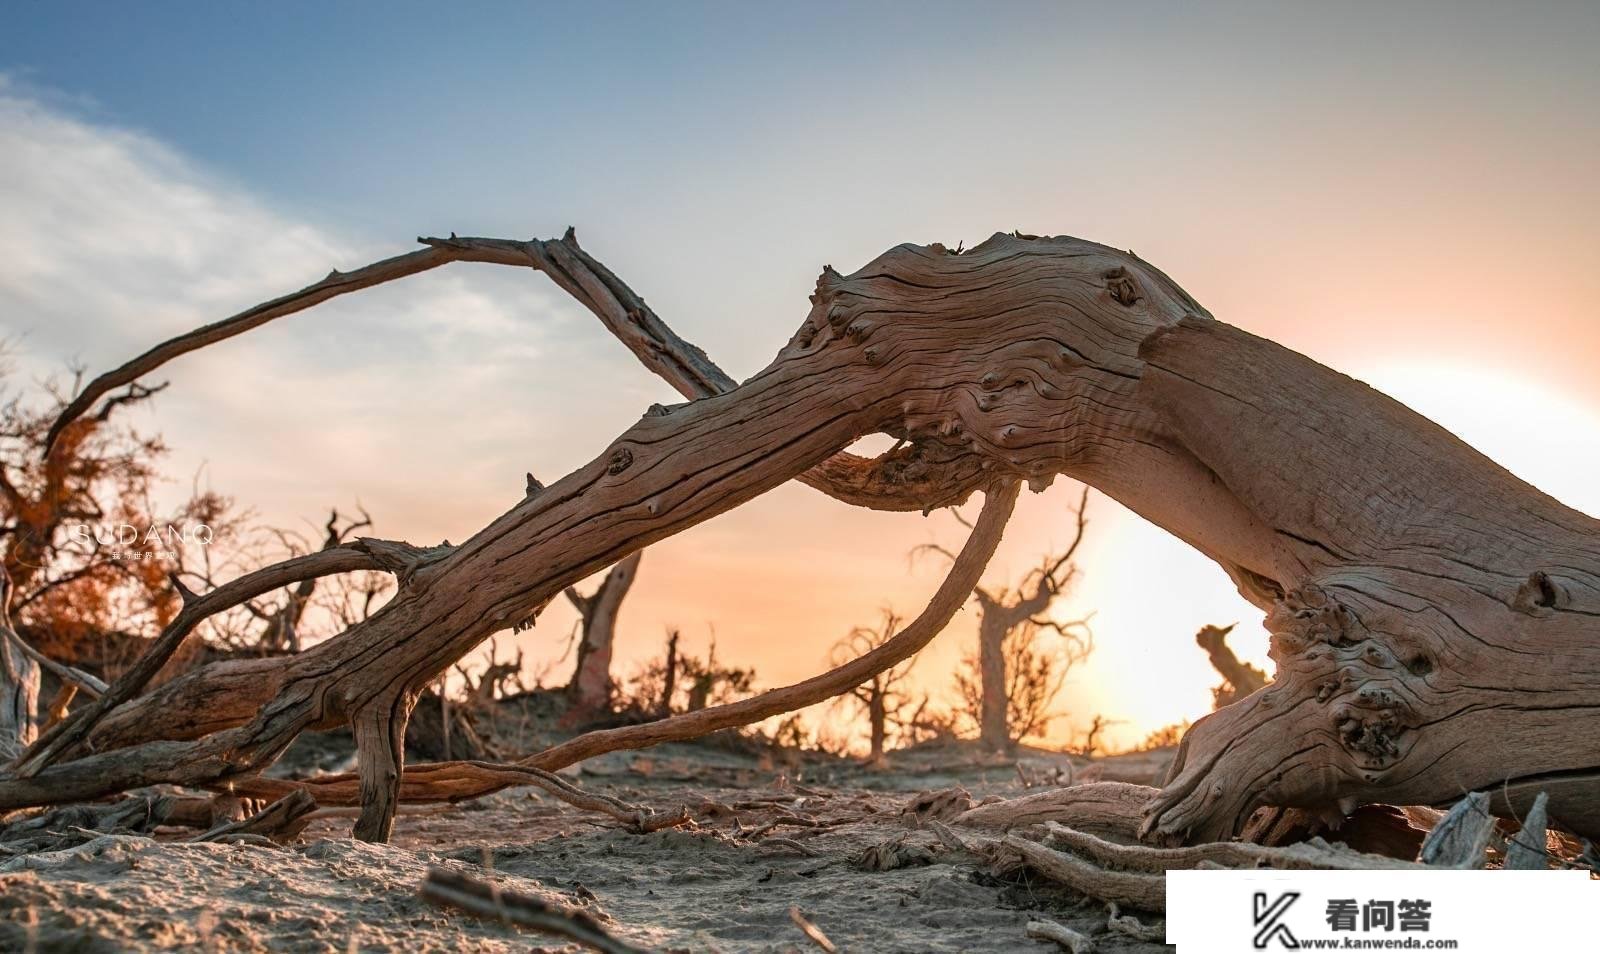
(840, 847)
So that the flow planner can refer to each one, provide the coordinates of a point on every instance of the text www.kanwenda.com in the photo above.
(1378, 944)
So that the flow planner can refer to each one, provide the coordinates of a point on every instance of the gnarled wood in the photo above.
(1433, 617)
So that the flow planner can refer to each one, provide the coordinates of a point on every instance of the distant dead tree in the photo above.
(710, 681)
(280, 627)
(669, 674)
(497, 680)
(882, 698)
(1092, 744)
(1417, 593)
(590, 688)
(1010, 683)
(1239, 679)
(681, 682)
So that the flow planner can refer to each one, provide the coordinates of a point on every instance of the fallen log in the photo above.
(1433, 617)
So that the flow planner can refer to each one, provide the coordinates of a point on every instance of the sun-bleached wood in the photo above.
(1433, 617)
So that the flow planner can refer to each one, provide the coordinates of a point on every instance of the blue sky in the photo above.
(1404, 191)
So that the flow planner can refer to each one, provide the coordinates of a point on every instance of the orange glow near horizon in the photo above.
(783, 608)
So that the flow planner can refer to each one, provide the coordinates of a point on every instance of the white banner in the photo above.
(1241, 912)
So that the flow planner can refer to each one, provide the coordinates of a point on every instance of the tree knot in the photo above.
(1538, 595)
(1307, 616)
(1121, 286)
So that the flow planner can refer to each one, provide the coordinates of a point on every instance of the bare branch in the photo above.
(918, 476)
(951, 594)
(75, 727)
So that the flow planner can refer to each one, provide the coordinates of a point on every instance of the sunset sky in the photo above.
(1408, 193)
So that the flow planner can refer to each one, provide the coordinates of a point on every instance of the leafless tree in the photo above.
(1010, 684)
(883, 698)
(589, 690)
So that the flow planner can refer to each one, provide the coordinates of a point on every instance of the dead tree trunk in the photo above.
(877, 727)
(669, 675)
(1240, 679)
(589, 691)
(19, 684)
(1004, 614)
(995, 622)
(1433, 617)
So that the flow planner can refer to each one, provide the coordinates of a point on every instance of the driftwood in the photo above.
(1074, 941)
(1433, 617)
(811, 931)
(484, 899)
(1462, 837)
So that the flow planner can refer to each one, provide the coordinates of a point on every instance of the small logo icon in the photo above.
(1269, 920)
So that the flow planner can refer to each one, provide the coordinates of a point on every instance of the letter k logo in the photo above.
(1269, 920)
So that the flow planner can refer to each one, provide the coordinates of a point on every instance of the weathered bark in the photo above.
(1433, 617)
(589, 691)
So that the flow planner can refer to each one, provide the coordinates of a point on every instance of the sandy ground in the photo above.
(710, 888)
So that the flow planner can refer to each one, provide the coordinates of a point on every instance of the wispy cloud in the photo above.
(111, 242)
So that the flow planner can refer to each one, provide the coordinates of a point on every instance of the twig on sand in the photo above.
(281, 821)
(1130, 926)
(811, 930)
(1066, 937)
(638, 818)
(790, 844)
(469, 894)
